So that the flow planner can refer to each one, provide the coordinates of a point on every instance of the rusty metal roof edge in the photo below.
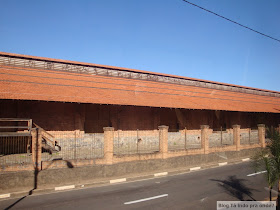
(128, 69)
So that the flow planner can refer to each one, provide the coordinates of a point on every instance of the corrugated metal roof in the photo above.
(26, 83)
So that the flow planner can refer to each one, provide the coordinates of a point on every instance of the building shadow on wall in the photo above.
(36, 173)
(236, 187)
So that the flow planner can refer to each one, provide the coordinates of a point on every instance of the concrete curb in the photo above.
(161, 174)
(223, 164)
(113, 181)
(5, 195)
(246, 159)
(67, 187)
(195, 168)
(119, 180)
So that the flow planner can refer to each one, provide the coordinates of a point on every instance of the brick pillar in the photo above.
(36, 148)
(163, 140)
(108, 144)
(261, 131)
(205, 138)
(236, 136)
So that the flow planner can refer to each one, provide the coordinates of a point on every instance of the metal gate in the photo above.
(15, 141)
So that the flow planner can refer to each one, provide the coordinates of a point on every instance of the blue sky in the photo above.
(167, 36)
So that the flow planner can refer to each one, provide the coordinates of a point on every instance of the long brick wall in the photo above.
(203, 137)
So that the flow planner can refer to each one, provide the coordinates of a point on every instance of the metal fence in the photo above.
(249, 136)
(184, 139)
(15, 141)
(75, 145)
(15, 150)
(221, 138)
(136, 142)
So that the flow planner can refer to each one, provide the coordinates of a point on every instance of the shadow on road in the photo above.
(36, 173)
(236, 188)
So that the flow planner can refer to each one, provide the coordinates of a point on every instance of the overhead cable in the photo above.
(278, 40)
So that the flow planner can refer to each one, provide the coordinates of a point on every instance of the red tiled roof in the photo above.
(125, 69)
(49, 85)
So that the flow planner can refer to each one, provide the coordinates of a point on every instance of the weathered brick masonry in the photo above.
(79, 100)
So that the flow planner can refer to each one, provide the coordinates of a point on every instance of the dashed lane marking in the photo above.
(260, 172)
(146, 199)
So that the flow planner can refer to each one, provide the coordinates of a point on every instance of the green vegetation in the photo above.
(269, 160)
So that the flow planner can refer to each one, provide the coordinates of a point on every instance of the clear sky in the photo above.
(167, 36)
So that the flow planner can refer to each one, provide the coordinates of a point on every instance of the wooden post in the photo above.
(36, 148)
(29, 124)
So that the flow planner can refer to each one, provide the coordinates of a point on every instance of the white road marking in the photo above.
(65, 187)
(195, 168)
(246, 159)
(260, 172)
(146, 199)
(161, 174)
(222, 164)
(5, 195)
(203, 199)
(117, 180)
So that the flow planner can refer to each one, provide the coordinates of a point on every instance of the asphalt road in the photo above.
(193, 190)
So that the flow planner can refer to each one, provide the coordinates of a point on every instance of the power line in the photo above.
(278, 40)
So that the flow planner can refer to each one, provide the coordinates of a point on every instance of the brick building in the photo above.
(62, 95)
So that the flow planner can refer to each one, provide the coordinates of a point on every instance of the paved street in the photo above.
(194, 190)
